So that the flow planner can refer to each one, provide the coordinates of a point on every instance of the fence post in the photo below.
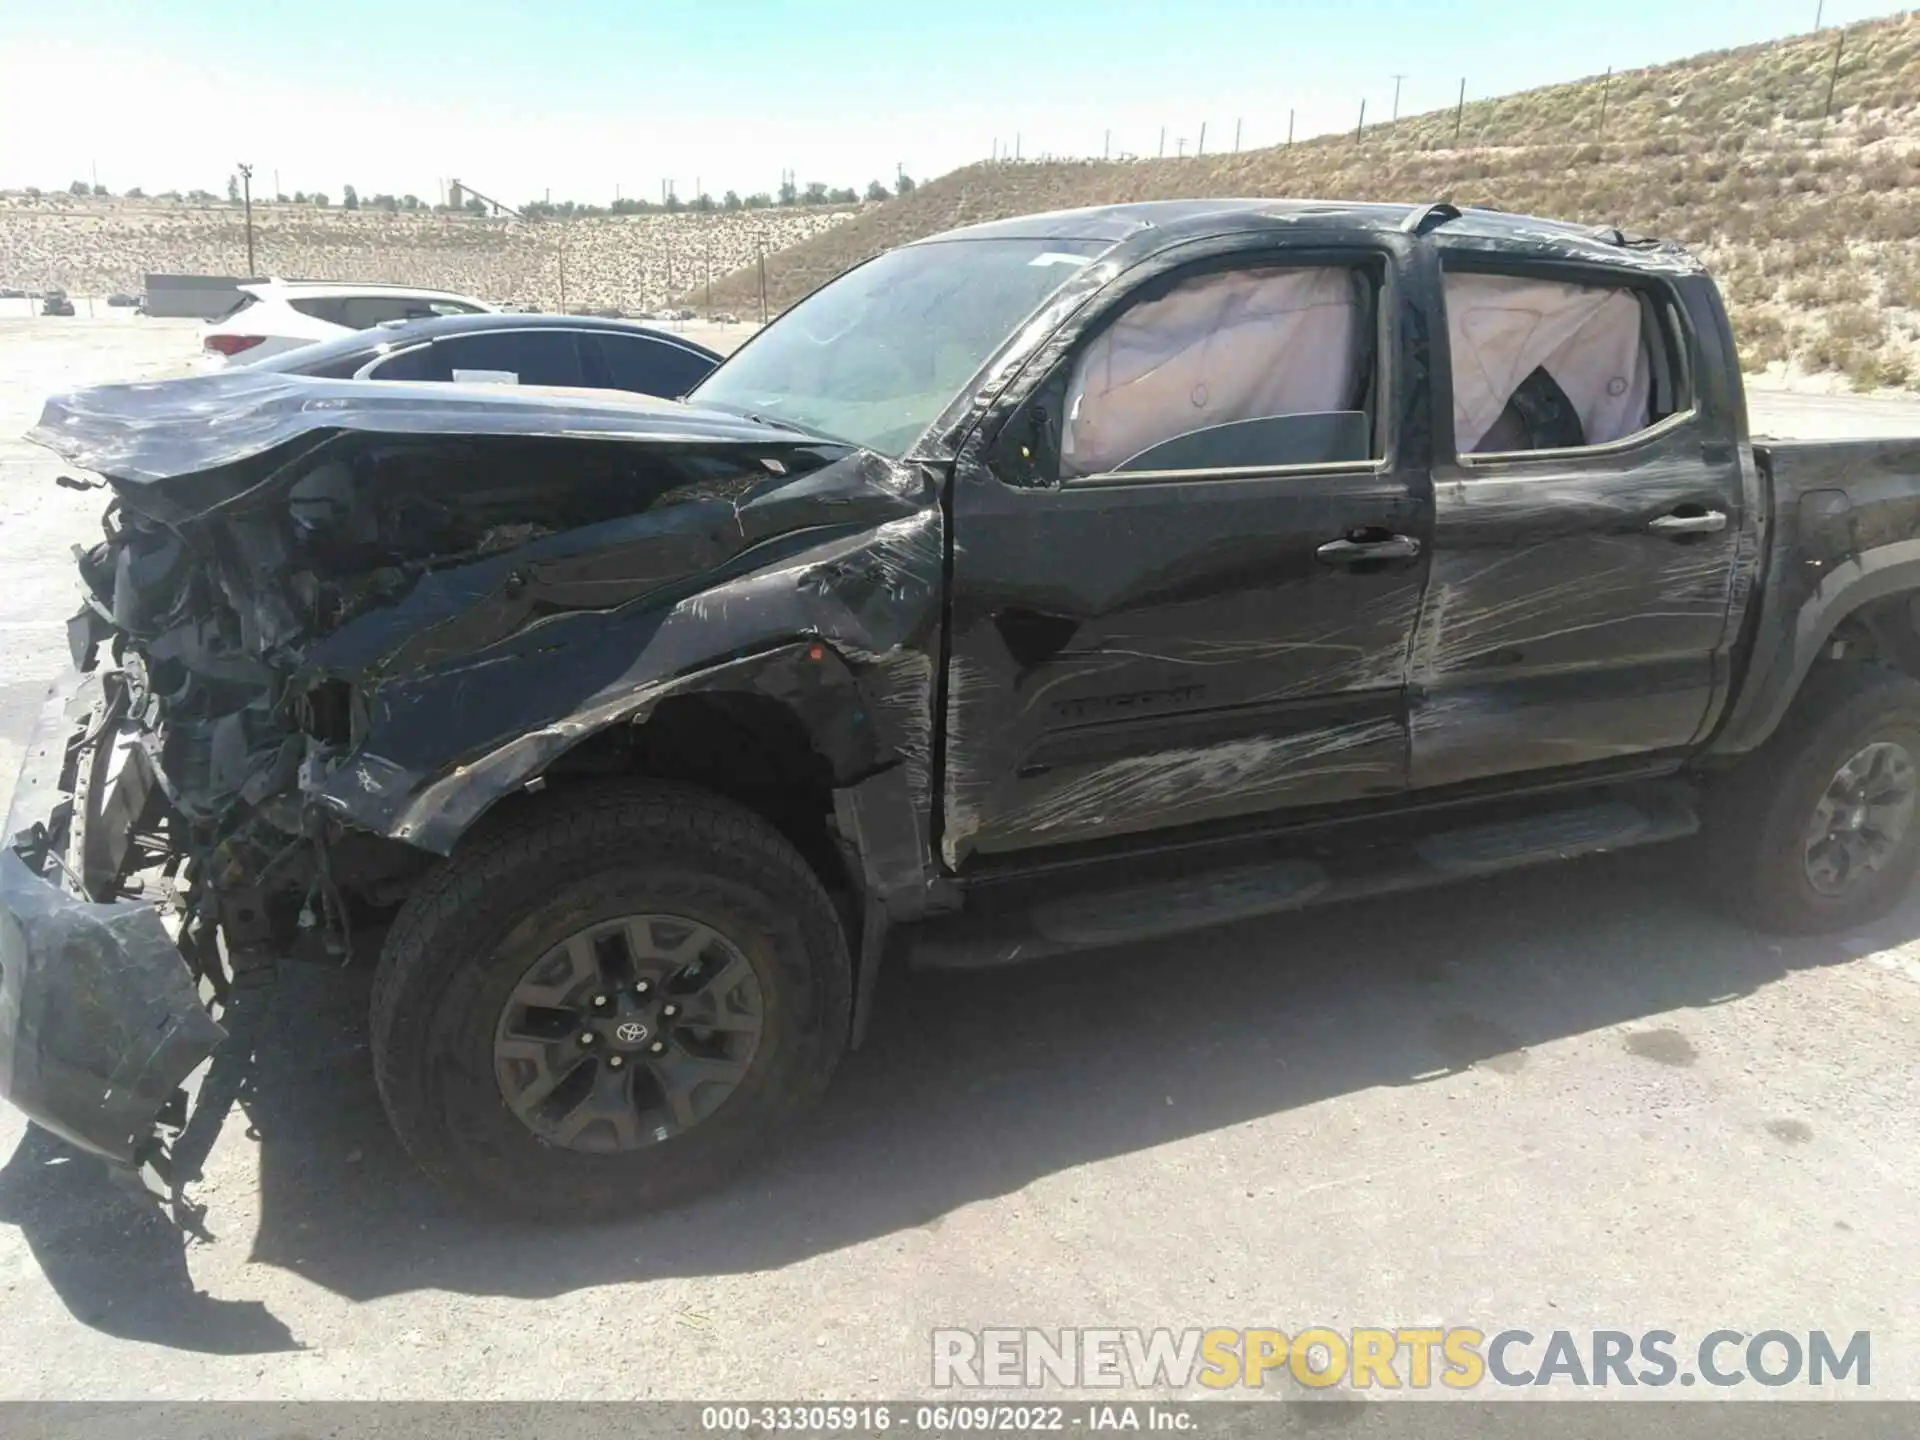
(761, 249)
(1606, 87)
(1459, 109)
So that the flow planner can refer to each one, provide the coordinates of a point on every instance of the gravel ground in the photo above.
(1574, 1098)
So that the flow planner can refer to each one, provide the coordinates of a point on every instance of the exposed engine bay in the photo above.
(338, 638)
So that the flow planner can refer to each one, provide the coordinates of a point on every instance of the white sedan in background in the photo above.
(274, 316)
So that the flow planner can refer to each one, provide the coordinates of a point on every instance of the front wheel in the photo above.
(1816, 830)
(609, 1002)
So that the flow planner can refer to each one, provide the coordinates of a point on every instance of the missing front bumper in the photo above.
(101, 1019)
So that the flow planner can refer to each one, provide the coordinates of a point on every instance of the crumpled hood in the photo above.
(160, 429)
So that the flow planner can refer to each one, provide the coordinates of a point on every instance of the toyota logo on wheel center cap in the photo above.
(630, 1032)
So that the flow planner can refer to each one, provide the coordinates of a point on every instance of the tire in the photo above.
(1758, 813)
(467, 936)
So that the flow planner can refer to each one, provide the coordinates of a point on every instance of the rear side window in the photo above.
(644, 366)
(330, 308)
(1231, 369)
(246, 299)
(424, 362)
(363, 312)
(1547, 364)
(511, 357)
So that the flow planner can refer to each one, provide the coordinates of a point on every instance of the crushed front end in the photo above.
(328, 626)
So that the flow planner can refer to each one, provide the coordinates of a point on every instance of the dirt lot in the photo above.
(1566, 1100)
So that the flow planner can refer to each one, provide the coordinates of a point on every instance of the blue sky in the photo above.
(582, 96)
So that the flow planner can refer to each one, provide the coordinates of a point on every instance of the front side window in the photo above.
(1229, 369)
(1544, 364)
(875, 356)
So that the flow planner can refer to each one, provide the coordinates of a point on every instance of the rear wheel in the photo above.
(1816, 831)
(609, 1002)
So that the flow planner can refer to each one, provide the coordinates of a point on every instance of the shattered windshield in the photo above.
(873, 357)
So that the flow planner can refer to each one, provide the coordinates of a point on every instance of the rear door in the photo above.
(1185, 580)
(1586, 524)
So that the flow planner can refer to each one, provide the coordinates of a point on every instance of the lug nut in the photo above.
(669, 1011)
(599, 1002)
(658, 1047)
(641, 988)
(614, 1062)
(586, 1037)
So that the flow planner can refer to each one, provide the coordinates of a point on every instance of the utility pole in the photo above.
(1106, 145)
(1163, 142)
(1833, 77)
(1606, 88)
(246, 193)
(1459, 109)
(762, 255)
(1819, 14)
(1236, 137)
(1201, 148)
(1180, 152)
(1289, 129)
(1395, 121)
(1363, 120)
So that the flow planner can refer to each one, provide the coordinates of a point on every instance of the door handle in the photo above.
(1351, 552)
(1704, 524)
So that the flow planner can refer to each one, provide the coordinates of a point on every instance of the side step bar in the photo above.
(1107, 913)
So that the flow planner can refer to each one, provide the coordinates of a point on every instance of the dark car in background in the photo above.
(566, 350)
(55, 302)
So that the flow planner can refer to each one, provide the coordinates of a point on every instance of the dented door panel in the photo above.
(1560, 628)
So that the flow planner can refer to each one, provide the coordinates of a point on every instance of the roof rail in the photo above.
(1429, 217)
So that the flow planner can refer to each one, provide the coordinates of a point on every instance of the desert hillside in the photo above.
(96, 246)
(1813, 225)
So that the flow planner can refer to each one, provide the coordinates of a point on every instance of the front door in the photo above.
(1587, 519)
(1184, 589)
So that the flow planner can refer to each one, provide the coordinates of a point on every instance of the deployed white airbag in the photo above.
(1503, 327)
(1241, 345)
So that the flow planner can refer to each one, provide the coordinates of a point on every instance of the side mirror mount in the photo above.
(1027, 451)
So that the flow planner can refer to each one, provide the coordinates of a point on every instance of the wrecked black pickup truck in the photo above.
(1050, 584)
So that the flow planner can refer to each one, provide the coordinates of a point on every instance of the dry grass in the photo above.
(1809, 221)
(627, 261)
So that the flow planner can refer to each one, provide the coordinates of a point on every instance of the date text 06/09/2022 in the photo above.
(941, 1418)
